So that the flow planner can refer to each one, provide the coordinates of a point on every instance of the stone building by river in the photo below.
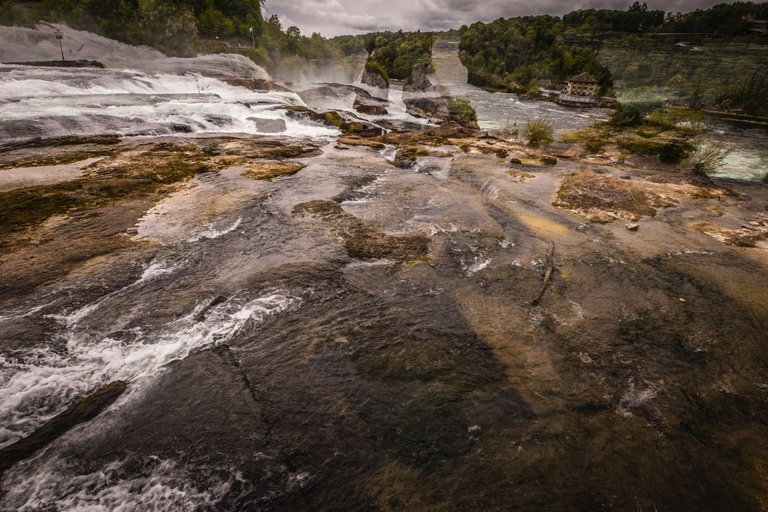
(582, 85)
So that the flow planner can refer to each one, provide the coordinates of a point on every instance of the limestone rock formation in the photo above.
(374, 98)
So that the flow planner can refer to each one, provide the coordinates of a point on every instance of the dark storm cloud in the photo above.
(333, 17)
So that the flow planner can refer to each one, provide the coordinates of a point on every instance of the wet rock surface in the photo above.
(85, 410)
(358, 335)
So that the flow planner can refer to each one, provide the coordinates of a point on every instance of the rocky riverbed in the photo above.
(351, 323)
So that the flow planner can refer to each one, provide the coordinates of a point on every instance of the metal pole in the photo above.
(60, 36)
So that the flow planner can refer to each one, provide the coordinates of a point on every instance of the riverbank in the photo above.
(359, 331)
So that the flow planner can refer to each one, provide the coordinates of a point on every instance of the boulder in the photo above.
(365, 104)
(268, 125)
(256, 84)
(419, 80)
(317, 94)
(373, 77)
(438, 108)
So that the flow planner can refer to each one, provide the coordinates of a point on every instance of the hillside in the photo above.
(705, 58)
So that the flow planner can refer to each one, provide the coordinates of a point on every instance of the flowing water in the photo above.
(748, 146)
(748, 157)
(268, 369)
(50, 102)
(499, 110)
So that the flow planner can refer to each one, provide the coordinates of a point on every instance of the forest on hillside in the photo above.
(636, 47)
(170, 25)
(189, 27)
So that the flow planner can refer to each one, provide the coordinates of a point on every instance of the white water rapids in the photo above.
(142, 92)
(50, 102)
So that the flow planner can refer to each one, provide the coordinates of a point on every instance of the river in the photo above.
(358, 335)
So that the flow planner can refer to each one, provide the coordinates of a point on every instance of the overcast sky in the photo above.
(334, 17)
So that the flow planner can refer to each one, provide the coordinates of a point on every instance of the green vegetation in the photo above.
(717, 74)
(397, 52)
(669, 133)
(170, 25)
(705, 58)
(374, 66)
(539, 131)
(724, 20)
(708, 157)
(512, 54)
(393, 55)
(291, 51)
(187, 27)
(463, 112)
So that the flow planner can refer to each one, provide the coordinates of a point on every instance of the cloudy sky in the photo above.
(334, 17)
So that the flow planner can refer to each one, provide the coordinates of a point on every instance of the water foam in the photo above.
(161, 485)
(50, 102)
(37, 386)
(477, 265)
(210, 232)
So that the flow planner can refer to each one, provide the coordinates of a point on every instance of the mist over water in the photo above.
(142, 92)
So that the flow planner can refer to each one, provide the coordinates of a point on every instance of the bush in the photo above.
(539, 131)
(374, 67)
(674, 152)
(708, 157)
(463, 112)
(632, 113)
(593, 146)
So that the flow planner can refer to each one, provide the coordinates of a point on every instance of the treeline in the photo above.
(396, 53)
(515, 53)
(173, 26)
(187, 27)
(726, 75)
(393, 54)
(722, 20)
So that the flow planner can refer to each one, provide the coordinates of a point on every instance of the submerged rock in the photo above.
(349, 124)
(363, 241)
(82, 411)
(605, 199)
(270, 170)
(370, 106)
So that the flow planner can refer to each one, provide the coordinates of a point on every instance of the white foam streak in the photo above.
(210, 232)
(477, 265)
(52, 102)
(162, 486)
(36, 388)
